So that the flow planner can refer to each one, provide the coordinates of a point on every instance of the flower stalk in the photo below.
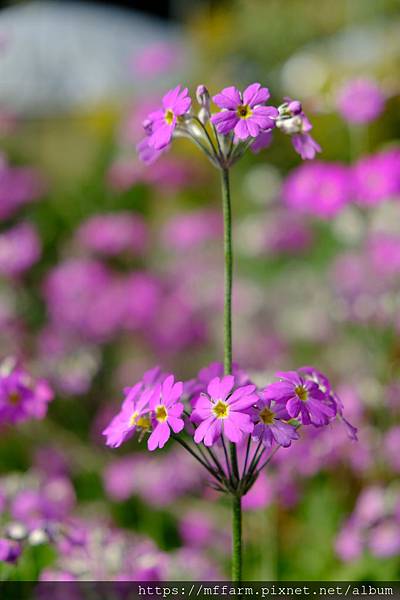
(222, 405)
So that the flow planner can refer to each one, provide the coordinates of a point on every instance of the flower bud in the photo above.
(203, 98)
(294, 107)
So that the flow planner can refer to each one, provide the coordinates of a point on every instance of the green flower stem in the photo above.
(228, 256)
(236, 538)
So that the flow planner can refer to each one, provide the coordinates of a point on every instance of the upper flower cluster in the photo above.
(244, 121)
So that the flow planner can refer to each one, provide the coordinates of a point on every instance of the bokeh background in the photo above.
(108, 267)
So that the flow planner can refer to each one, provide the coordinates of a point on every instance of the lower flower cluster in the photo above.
(214, 409)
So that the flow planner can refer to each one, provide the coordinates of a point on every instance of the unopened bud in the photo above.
(203, 98)
(294, 107)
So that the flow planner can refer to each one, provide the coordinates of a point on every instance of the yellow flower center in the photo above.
(143, 422)
(133, 419)
(169, 116)
(221, 410)
(301, 393)
(14, 398)
(267, 416)
(244, 111)
(161, 413)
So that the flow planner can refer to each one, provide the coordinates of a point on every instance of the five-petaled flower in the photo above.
(244, 114)
(163, 122)
(166, 412)
(222, 410)
(270, 424)
(301, 396)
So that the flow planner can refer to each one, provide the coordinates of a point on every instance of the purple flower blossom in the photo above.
(360, 101)
(20, 248)
(166, 411)
(293, 121)
(18, 186)
(21, 397)
(175, 104)
(377, 177)
(222, 410)
(320, 189)
(270, 426)
(302, 397)
(244, 114)
(112, 234)
(193, 229)
(134, 415)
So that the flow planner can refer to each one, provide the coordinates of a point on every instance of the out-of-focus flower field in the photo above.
(108, 267)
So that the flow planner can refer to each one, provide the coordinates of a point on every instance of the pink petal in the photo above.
(176, 424)
(229, 98)
(162, 136)
(226, 385)
(244, 402)
(213, 433)
(232, 431)
(244, 390)
(176, 409)
(202, 429)
(225, 121)
(170, 97)
(255, 94)
(241, 130)
(182, 105)
(159, 436)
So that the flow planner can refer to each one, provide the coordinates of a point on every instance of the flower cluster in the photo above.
(244, 120)
(215, 408)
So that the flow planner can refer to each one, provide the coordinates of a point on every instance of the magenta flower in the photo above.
(321, 189)
(222, 410)
(21, 397)
(111, 234)
(376, 178)
(270, 426)
(244, 114)
(20, 248)
(175, 104)
(134, 415)
(302, 397)
(360, 101)
(166, 412)
(293, 121)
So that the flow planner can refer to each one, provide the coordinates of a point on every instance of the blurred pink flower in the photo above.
(20, 248)
(18, 186)
(156, 59)
(114, 233)
(360, 100)
(377, 177)
(320, 189)
(190, 230)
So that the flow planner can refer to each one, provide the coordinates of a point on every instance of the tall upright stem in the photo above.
(228, 256)
(236, 538)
